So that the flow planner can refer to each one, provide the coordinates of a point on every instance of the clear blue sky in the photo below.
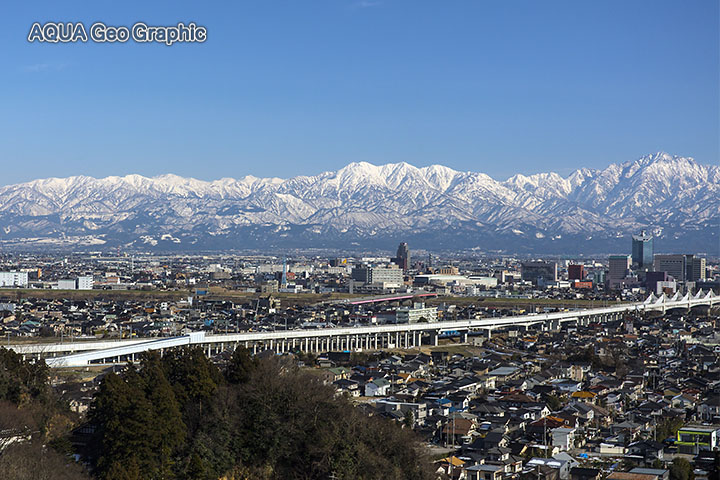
(299, 87)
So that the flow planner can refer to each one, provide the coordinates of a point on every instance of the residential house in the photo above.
(483, 472)
(377, 388)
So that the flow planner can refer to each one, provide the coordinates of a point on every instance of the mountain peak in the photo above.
(661, 157)
(363, 202)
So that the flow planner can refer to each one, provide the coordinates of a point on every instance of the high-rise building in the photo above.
(541, 272)
(682, 267)
(696, 269)
(403, 256)
(619, 267)
(388, 275)
(576, 272)
(642, 250)
(673, 265)
(598, 277)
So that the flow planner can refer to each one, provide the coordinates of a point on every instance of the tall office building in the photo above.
(682, 267)
(673, 265)
(696, 269)
(642, 250)
(576, 272)
(403, 256)
(619, 266)
(539, 272)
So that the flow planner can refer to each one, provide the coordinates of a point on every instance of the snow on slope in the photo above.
(658, 191)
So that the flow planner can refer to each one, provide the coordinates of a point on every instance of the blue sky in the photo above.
(299, 87)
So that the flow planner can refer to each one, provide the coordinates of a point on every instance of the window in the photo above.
(692, 438)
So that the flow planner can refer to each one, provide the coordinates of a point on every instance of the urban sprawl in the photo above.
(629, 396)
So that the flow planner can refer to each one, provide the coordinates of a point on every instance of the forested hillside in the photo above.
(180, 416)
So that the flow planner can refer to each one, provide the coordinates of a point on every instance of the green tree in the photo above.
(167, 430)
(553, 402)
(681, 469)
(22, 381)
(194, 379)
(409, 419)
(126, 470)
(123, 419)
(668, 428)
(241, 366)
(276, 422)
(196, 469)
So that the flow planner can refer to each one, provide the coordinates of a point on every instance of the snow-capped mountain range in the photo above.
(363, 205)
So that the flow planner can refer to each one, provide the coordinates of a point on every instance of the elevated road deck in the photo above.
(345, 338)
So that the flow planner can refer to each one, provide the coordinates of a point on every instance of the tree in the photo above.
(127, 470)
(668, 428)
(681, 469)
(194, 380)
(32, 461)
(409, 419)
(241, 366)
(167, 430)
(553, 402)
(291, 423)
(196, 469)
(269, 420)
(123, 419)
(139, 427)
(22, 381)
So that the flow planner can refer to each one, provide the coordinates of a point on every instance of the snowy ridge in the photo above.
(671, 195)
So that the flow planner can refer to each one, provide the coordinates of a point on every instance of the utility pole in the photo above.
(655, 428)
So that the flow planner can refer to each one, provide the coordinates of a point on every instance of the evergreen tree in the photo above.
(167, 430)
(681, 469)
(127, 470)
(409, 419)
(242, 364)
(196, 469)
(269, 421)
(194, 380)
(122, 416)
(22, 381)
